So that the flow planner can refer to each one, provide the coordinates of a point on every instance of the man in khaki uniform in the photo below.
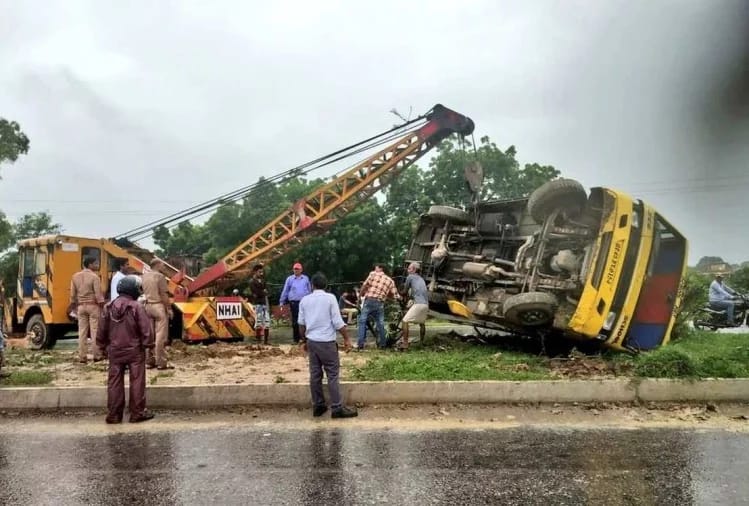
(86, 297)
(160, 311)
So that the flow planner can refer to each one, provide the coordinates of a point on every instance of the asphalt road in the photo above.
(328, 465)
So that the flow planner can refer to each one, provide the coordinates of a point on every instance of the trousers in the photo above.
(323, 356)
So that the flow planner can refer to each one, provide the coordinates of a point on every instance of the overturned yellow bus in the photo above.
(564, 262)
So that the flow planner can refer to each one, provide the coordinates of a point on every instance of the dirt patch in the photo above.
(579, 365)
(193, 365)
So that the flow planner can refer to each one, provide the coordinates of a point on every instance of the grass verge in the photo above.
(26, 378)
(696, 355)
(449, 361)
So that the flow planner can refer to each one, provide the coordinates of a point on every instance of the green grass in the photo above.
(696, 355)
(26, 378)
(452, 361)
(19, 357)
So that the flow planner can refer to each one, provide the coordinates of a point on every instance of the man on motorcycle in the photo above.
(721, 298)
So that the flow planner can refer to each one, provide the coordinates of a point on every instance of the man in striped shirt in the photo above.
(377, 288)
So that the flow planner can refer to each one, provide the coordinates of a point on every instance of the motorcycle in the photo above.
(709, 318)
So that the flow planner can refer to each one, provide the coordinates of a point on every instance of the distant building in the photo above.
(723, 268)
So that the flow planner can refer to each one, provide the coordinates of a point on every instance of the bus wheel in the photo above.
(38, 333)
(452, 214)
(565, 194)
(531, 309)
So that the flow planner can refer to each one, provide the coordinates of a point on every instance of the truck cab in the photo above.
(39, 305)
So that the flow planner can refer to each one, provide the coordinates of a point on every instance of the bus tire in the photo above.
(38, 333)
(564, 194)
(531, 309)
(452, 214)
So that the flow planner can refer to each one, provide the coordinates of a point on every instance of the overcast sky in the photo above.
(139, 111)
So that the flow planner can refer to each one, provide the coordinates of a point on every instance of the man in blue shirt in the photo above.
(296, 286)
(721, 297)
(319, 320)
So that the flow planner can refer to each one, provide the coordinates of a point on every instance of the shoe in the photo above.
(113, 421)
(82, 361)
(150, 366)
(344, 412)
(99, 359)
(319, 410)
(162, 367)
(143, 418)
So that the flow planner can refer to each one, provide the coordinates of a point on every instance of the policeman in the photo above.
(86, 297)
(159, 310)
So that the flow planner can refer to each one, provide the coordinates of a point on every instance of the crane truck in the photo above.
(38, 304)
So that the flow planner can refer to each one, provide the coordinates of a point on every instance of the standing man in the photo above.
(125, 333)
(296, 286)
(419, 309)
(721, 298)
(122, 271)
(319, 319)
(86, 297)
(377, 288)
(159, 310)
(259, 293)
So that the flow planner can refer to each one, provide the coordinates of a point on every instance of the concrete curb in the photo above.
(392, 392)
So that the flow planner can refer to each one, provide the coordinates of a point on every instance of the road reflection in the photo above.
(355, 466)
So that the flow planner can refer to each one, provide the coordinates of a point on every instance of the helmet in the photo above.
(130, 285)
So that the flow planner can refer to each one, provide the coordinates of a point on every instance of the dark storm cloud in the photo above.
(138, 110)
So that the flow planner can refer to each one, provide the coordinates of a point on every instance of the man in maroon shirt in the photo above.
(125, 333)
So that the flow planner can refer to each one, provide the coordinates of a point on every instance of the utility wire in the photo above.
(199, 209)
(202, 209)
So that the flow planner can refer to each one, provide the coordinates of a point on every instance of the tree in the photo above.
(35, 225)
(6, 232)
(375, 231)
(739, 280)
(503, 178)
(28, 225)
(13, 142)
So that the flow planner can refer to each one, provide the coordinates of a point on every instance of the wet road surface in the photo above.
(328, 465)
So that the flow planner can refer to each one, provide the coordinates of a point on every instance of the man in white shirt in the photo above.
(121, 264)
(319, 319)
(721, 298)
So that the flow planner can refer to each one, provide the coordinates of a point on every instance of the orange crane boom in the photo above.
(312, 214)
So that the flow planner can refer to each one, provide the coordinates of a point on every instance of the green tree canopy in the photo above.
(13, 142)
(28, 225)
(379, 230)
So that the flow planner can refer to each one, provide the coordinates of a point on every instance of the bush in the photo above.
(666, 363)
(694, 296)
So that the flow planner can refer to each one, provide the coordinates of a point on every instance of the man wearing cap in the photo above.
(296, 286)
(721, 298)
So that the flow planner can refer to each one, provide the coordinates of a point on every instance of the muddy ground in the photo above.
(245, 363)
(193, 365)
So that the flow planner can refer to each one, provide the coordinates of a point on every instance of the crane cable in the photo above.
(236, 195)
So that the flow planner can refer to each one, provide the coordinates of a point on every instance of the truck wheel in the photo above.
(565, 194)
(38, 333)
(453, 214)
(531, 309)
